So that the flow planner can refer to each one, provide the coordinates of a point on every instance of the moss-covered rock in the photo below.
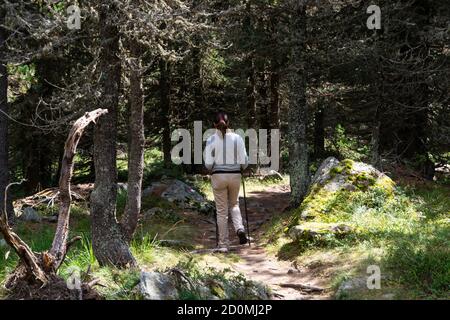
(336, 182)
(311, 231)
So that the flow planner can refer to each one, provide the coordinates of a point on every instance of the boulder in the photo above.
(334, 177)
(322, 174)
(350, 175)
(157, 286)
(179, 193)
(318, 231)
(29, 214)
(244, 291)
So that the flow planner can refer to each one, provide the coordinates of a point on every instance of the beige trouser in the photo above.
(226, 195)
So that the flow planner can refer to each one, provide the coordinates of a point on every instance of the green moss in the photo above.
(386, 184)
(322, 204)
(336, 170)
(362, 180)
(344, 167)
(319, 204)
(348, 164)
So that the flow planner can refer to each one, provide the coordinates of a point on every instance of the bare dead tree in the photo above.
(40, 268)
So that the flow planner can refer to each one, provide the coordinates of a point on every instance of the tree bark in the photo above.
(264, 109)
(59, 246)
(199, 107)
(375, 140)
(274, 99)
(110, 248)
(136, 146)
(319, 132)
(198, 82)
(165, 88)
(31, 263)
(4, 145)
(298, 111)
(251, 96)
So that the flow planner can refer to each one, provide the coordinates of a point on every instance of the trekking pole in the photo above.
(217, 228)
(245, 207)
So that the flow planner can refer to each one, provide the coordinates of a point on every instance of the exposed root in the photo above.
(55, 289)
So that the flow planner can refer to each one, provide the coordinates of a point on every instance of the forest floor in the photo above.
(285, 279)
(413, 255)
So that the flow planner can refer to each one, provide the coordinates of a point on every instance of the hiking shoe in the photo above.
(242, 237)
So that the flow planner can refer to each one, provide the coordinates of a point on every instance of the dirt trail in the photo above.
(255, 262)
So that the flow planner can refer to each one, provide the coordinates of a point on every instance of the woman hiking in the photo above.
(225, 157)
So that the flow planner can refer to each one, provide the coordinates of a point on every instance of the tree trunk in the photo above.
(319, 132)
(199, 107)
(165, 88)
(298, 111)
(198, 83)
(136, 146)
(108, 243)
(251, 96)
(4, 145)
(375, 142)
(264, 109)
(59, 246)
(274, 99)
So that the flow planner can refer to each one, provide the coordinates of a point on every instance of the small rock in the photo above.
(388, 296)
(151, 212)
(31, 215)
(157, 286)
(318, 231)
(351, 285)
(341, 229)
(272, 175)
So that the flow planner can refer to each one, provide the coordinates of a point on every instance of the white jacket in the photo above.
(225, 155)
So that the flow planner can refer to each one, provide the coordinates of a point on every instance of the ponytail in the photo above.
(221, 123)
